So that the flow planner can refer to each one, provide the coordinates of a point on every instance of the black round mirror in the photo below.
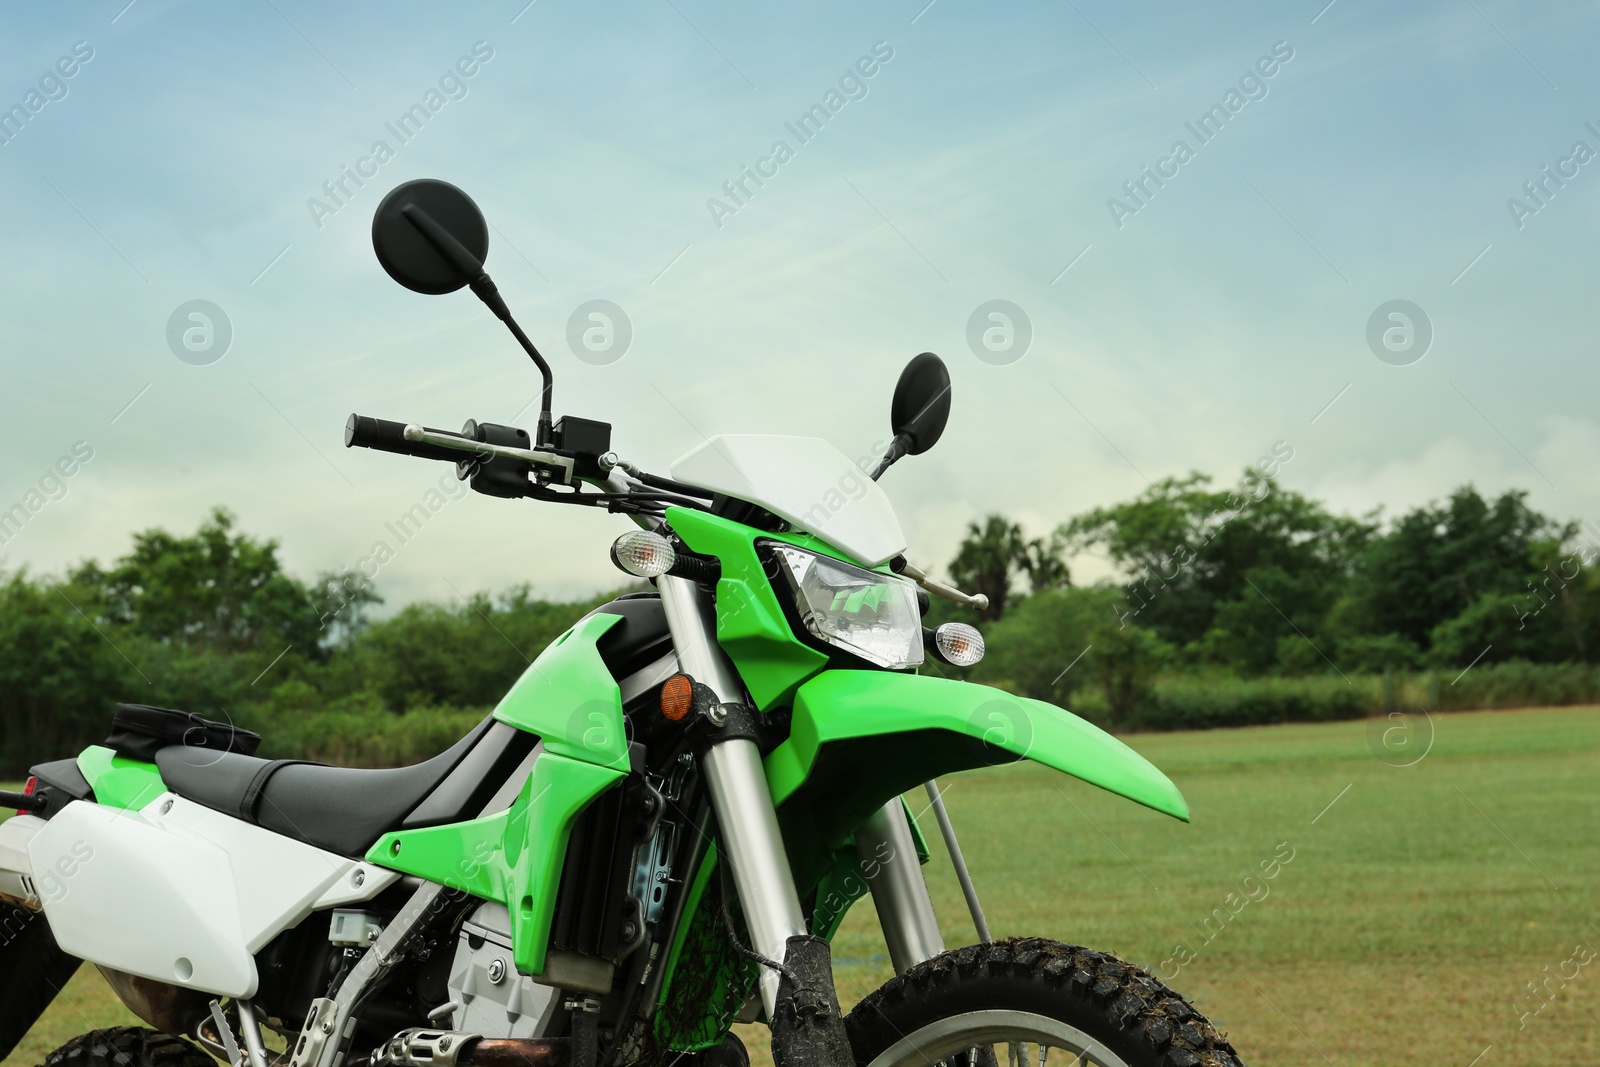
(430, 236)
(921, 403)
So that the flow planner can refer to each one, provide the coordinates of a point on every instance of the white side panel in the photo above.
(363, 882)
(279, 880)
(806, 481)
(143, 900)
(183, 894)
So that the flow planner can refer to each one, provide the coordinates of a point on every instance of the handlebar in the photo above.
(364, 431)
(552, 468)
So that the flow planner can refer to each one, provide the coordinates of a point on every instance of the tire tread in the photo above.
(128, 1046)
(1127, 998)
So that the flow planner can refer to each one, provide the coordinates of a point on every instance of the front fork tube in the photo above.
(752, 845)
(899, 891)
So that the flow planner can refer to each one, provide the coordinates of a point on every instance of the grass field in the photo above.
(1418, 905)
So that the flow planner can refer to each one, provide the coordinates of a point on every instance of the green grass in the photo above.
(1404, 929)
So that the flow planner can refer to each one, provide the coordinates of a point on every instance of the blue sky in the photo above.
(1226, 314)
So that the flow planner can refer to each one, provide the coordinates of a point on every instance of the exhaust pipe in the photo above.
(420, 1047)
(510, 1052)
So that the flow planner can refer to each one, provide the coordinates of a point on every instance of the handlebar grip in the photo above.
(364, 431)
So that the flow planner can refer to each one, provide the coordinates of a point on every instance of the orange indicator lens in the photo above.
(677, 697)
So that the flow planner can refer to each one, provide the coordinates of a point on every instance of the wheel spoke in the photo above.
(976, 1039)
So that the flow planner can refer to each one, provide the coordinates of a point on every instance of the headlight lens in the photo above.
(871, 615)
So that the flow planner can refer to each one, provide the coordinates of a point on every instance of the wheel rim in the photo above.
(998, 1039)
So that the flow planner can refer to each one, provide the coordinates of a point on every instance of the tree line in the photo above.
(212, 623)
(1254, 581)
(1258, 580)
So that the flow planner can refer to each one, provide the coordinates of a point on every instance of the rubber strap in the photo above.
(258, 785)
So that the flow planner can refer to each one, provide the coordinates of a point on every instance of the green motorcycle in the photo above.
(653, 836)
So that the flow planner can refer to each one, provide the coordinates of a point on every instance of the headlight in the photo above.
(871, 615)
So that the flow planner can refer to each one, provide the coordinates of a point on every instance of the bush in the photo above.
(1199, 702)
(1519, 685)
(363, 736)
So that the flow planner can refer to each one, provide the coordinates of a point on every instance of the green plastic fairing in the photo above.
(860, 737)
(751, 626)
(569, 699)
(119, 782)
(514, 857)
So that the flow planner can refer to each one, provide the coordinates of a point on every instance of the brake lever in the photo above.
(537, 457)
(938, 588)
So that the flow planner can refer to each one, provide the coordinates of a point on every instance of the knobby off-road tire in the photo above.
(1016, 995)
(128, 1046)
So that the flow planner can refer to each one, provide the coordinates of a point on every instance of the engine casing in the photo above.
(490, 997)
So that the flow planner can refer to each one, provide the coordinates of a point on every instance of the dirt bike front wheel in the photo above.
(1031, 1002)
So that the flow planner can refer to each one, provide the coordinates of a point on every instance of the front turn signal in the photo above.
(643, 554)
(958, 644)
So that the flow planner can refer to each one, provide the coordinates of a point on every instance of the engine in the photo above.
(487, 995)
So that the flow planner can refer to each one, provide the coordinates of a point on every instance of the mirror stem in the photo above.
(468, 264)
(897, 451)
(485, 288)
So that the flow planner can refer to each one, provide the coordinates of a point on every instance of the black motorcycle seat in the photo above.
(346, 810)
(339, 809)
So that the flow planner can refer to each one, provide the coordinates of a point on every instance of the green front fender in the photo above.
(860, 737)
